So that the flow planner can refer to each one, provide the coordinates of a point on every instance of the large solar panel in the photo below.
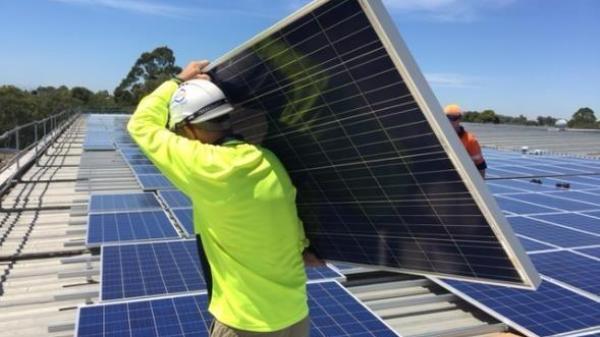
(128, 226)
(163, 268)
(156, 268)
(382, 178)
(550, 310)
(111, 203)
(334, 313)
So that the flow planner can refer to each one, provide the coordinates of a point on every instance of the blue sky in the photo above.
(535, 57)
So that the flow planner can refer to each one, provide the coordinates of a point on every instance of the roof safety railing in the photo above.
(23, 144)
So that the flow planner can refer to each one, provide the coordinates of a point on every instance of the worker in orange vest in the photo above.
(454, 114)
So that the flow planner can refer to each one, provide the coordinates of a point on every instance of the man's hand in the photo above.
(194, 70)
(311, 260)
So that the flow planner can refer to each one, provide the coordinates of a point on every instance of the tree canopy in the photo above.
(148, 72)
(584, 118)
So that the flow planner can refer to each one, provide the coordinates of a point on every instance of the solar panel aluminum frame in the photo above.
(150, 297)
(100, 244)
(511, 323)
(431, 108)
(89, 206)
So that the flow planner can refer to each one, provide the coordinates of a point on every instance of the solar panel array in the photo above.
(163, 268)
(110, 203)
(334, 313)
(377, 183)
(560, 229)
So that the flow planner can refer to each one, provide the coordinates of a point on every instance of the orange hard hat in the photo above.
(452, 110)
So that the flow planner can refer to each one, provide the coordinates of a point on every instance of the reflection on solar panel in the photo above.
(334, 313)
(133, 226)
(185, 219)
(381, 176)
(570, 268)
(122, 202)
(162, 268)
(150, 182)
(548, 311)
(157, 268)
(175, 199)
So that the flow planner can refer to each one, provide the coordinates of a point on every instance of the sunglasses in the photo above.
(454, 118)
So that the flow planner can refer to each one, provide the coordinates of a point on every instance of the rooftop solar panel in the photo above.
(550, 310)
(594, 251)
(175, 199)
(576, 270)
(574, 220)
(142, 161)
(157, 268)
(163, 268)
(130, 226)
(550, 201)
(334, 313)
(367, 145)
(151, 182)
(144, 169)
(111, 203)
(531, 245)
(185, 218)
(560, 236)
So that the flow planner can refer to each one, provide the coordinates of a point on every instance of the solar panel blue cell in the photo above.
(549, 201)
(111, 203)
(175, 199)
(147, 269)
(573, 220)
(130, 226)
(145, 169)
(185, 218)
(531, 245)
(138, 162)
(548, 311)
(556, 235)
(162, 268)
(595, 252)
(571, 268)
(497, 188)
(334, 313)
(519, 207)
(150, 182)
(591, 198)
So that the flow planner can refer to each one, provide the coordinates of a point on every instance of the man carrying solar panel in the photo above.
(244, 207)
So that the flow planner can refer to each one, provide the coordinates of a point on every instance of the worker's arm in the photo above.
(477, 157)
(181, 160)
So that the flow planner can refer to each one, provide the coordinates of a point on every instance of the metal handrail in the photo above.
(40, 132)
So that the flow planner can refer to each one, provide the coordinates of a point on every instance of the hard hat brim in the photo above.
(219, 111)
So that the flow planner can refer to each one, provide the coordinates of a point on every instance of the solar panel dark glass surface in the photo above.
(334, 313)
(128, 226)
(579, 271)
(123, 202)
(157, 268)
(175, 199)
(163, 268)
(375, 185)
(548, 311)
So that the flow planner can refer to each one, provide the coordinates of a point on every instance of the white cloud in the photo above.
(447, 10)
(136, 6)
(451, 80)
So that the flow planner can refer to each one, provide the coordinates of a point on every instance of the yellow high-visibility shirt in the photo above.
(245, 212)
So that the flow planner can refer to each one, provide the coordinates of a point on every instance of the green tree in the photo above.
(148, 72)
(16, 107)
(84, 95)
(584, 118)
(488, 116)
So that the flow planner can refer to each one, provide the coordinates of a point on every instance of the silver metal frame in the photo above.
(423, 95)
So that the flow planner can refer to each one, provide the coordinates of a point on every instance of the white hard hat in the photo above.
(197, 101)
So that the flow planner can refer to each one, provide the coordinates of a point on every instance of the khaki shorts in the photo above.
(300, 329)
